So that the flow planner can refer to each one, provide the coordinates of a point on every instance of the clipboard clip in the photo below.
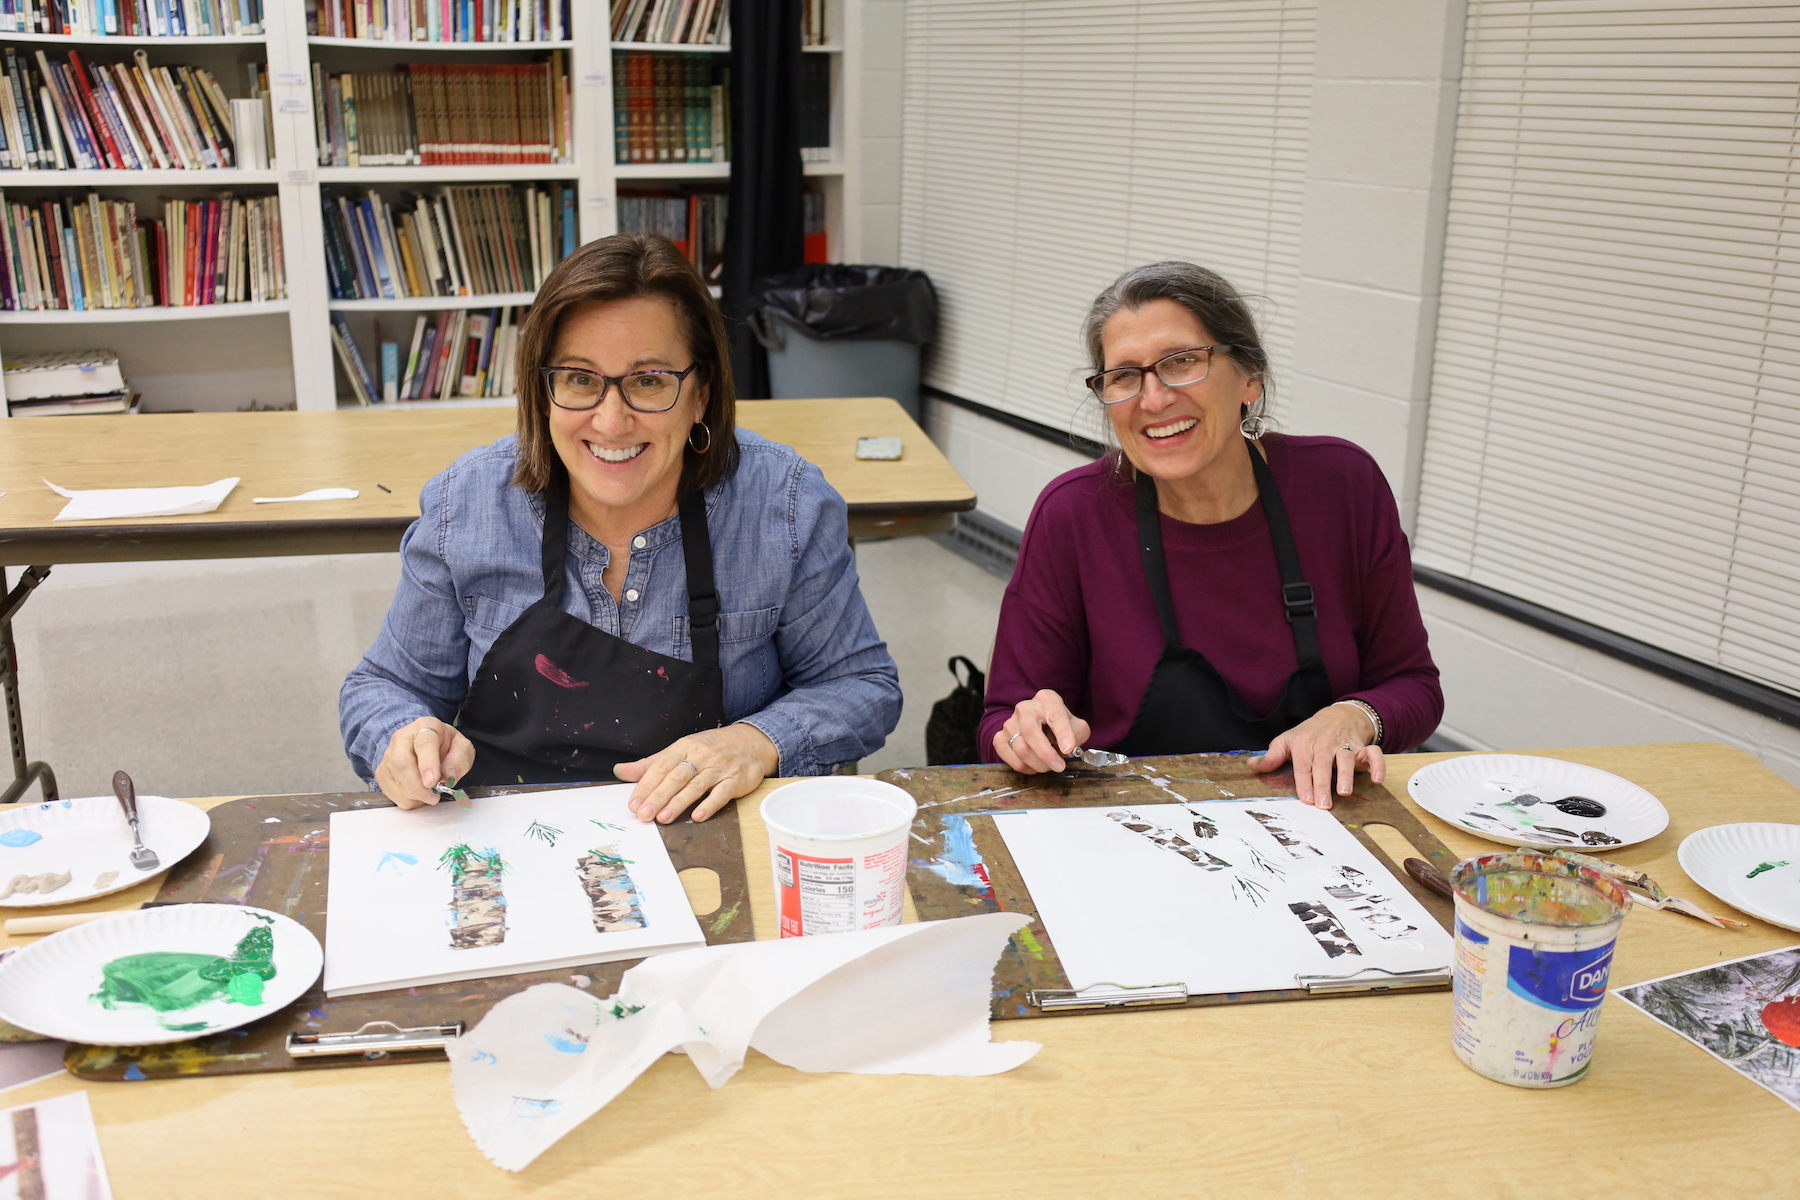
(374, 1041)
(1108, 995)
(1365, 981)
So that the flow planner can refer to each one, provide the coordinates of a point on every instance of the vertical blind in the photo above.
(1051, 144)
(1614, 429)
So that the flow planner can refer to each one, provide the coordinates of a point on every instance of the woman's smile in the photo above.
(615, 455)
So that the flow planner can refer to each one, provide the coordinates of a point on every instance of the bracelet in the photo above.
(1368, 711)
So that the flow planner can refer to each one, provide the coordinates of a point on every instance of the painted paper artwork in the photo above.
(1745, 1013)
(49, 1151)
(505, 885)
(1222, 895)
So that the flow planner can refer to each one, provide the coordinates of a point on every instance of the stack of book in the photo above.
(82, 382)
(119, 116)
(680, 22)
(95, 253)
(440, 20)
(694, 222)
(459, 354)
(481, 240)
(444, 114)
(670, 108)
(133, 18)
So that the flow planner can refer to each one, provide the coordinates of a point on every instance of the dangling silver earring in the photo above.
(703, 428)
(1254, 425)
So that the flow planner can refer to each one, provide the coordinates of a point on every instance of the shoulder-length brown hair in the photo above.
(622, 267)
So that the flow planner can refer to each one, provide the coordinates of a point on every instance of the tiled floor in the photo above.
(213, 678)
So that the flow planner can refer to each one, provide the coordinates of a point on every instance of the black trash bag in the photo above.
(832, 300)
(950, 734)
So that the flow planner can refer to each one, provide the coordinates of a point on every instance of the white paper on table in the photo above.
(325, 493)
(906, 999)
(389, 914)
(27, 1062)
(113, 504)
(68, 1148)
(1122, 907)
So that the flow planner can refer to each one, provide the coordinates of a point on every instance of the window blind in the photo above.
(1614, 427)
(1051, 144)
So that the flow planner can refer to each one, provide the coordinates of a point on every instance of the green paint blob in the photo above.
(1761, 867)
(171, 982)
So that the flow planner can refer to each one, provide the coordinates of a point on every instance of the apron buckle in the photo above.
(1298, 597)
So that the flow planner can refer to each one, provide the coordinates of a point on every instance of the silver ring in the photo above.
(1349, 747)
(1015, 737)
(696, 770)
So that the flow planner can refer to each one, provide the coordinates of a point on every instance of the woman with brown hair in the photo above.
(630, 586)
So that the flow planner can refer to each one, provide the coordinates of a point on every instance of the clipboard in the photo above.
(273, 852)
(1029, 980)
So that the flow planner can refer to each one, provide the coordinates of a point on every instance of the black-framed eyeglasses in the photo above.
(579, 389)
(1183, 368)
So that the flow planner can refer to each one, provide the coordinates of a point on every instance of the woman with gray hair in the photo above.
(1208, 586)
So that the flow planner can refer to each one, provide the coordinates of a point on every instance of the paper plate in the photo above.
(1513, 799)
(89, 840)
(1754, 865)
(53, 987)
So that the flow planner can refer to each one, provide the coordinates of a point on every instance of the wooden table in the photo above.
(286, 453)
(1345, 1098)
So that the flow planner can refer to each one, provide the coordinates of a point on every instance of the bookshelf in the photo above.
(224, 357)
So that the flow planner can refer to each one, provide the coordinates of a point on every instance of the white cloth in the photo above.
(114, 504)
(907, 999)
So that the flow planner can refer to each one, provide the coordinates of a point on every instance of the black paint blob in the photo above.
(1526, 800)
(1594, 837)
(1580, 806)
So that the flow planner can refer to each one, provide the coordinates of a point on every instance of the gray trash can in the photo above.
(837, 330)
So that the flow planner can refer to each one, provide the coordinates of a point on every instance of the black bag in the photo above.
(835, 300)
(950, 734)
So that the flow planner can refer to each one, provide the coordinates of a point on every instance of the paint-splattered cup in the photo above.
(838, 849)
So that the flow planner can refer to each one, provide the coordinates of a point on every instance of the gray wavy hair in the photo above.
(1218, 306)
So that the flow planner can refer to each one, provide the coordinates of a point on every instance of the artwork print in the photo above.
(49, 1151)
(1745, 1013)
(1224, 895)
(500, 885)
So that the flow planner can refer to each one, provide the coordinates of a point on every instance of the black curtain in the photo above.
(765, 226)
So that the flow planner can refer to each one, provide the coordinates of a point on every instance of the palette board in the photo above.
(272, 852)
(961, 863)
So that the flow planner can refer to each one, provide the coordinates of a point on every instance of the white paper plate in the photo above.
(1754, 865)
(89, 838)
(1480, 793)
(50, 987)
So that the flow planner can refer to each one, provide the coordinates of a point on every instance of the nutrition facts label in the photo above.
(818, 895)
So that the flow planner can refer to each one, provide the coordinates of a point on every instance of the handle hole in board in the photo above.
(702, 887)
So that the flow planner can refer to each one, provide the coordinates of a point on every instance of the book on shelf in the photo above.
(457, 354)
(815, 108)
(67, 383)
(694, 221)
(812, 25)
(133, 18)
(445, 114)
(817, 245)
(440, 20)
(76, 406)
(672, 22)
(122, 116)
(476, 240)
(95, 253)
(670, 108)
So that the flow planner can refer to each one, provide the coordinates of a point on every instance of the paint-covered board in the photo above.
(960, 863)
(272, 852)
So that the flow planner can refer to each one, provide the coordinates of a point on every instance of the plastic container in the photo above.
(803, 367)
(838, 850)
(1534, 947)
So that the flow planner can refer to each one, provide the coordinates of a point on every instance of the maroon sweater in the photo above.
(1078, 618)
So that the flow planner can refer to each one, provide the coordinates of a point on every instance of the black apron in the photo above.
(1188, 707)
(558, 701)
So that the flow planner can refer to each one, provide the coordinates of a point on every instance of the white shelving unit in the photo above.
(279, 351)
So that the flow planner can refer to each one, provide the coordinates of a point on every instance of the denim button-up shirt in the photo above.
(800, 655)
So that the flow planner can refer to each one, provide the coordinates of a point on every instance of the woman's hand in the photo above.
(1335, 736)
(420, 754)
(1021, 743)
(719, 765)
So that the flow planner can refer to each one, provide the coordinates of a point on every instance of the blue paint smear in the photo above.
(135, 1073)
(68, 804)
(394, 856)
(566, 1045)
(957, 866)
(483, 1056)
(20, 837)
(526, 1107)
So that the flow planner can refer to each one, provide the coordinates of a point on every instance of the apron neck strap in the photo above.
(703, 598)
(556, 534)
(1296, 593)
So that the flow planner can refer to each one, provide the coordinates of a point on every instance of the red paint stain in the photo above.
(1782, 1019)
(662, 672)
(557, 675)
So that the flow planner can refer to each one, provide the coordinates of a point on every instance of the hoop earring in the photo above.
(704, 428)
(1254, 425)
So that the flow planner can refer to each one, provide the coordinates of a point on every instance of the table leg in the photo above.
(24, 772)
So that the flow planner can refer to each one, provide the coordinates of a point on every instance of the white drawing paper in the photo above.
(50, 1150)
(905, 999)
(119, 504)
(504, 885)
(1221, 895)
